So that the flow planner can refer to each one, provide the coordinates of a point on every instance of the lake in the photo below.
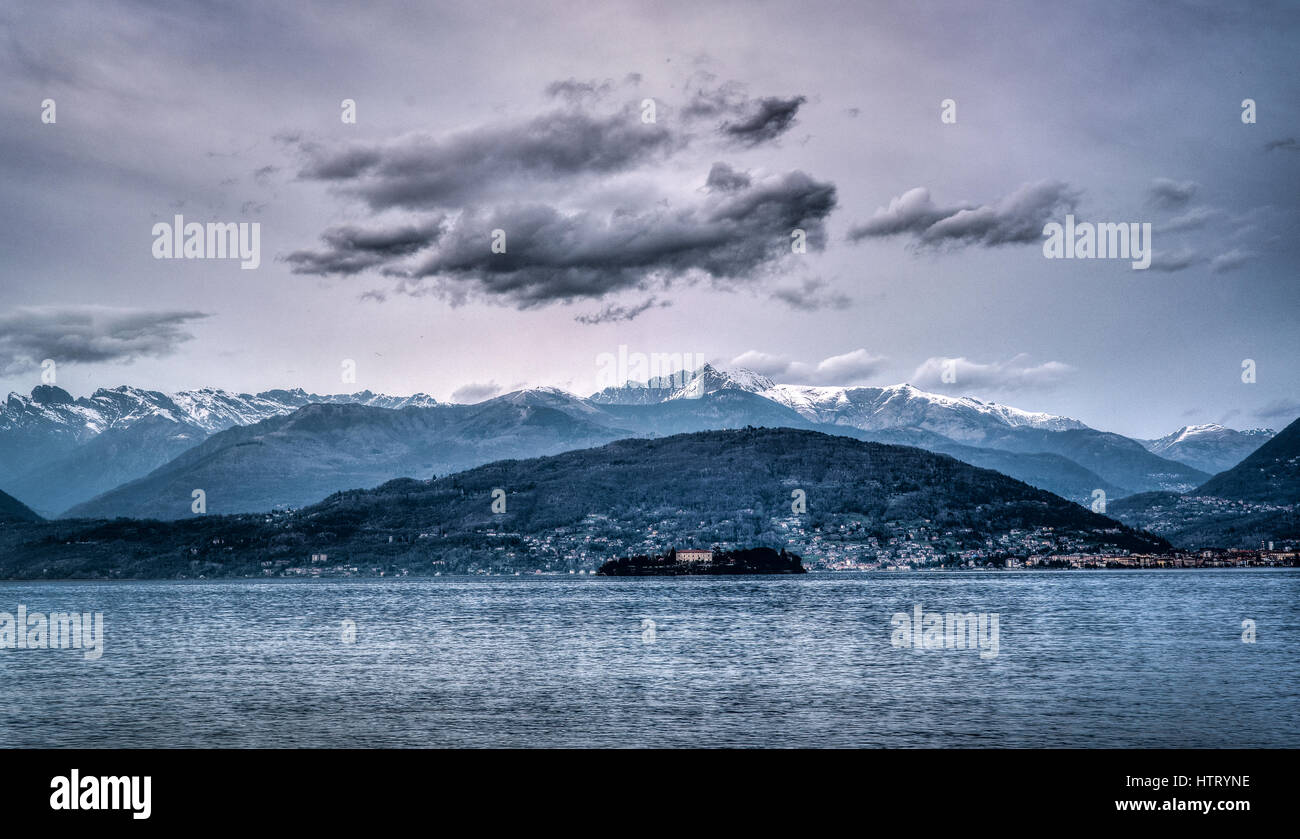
(1087, 659)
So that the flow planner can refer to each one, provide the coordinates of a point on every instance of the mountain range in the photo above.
(136, 453)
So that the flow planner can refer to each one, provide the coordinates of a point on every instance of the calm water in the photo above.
(1109, 659)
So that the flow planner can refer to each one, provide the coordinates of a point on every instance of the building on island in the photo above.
(692, 555)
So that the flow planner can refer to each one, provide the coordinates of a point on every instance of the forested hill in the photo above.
(575, 510)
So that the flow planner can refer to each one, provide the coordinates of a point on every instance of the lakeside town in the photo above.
(581, 549)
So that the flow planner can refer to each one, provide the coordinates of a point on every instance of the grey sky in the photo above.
(671, 236)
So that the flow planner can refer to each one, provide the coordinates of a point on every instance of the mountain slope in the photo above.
(293, 460)
(1270, 475)
(117, 456)
(1117, 459)
(12, 510)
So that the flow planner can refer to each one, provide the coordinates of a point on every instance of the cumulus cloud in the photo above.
(1018, 218)
(473, 392)
(551, 255)
(1171, 194)
(1017, 374)
(87, 334)
(851, 368)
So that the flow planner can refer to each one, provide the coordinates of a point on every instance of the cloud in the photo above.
(569, 189)
(764, 120)
(810, 295)
(576, 90)
(551, 255)
(739, 118)
(1175, 260)
(725, 179)
(1017, 218)
(352, 249)
(614, 314)
(88, 334)
(422, 171)
(1171, 194)
(475, 392)
(1013, 375)
(1288, 144)
(1230, 261)
(1280, 409)
(581, 139)
(1193, 219)
(851, 368)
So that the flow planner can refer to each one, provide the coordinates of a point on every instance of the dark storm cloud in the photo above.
(744, 120)
(1016, 219)
(616, 314)
(551, 255)
(74, 334)
(554, 256)
(351, 249)
(420, 171)
(1170, 194)
(723, 177)
(767, 119)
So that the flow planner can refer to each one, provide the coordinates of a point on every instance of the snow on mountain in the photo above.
(211, 409)
(1208, 431)
(547, 397)
(868, 408)
(1209, 447)
(710, 379)
(903, 406)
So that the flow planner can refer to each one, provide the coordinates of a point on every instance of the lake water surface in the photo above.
(1091, 659)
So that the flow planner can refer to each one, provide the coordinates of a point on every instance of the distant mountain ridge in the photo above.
(1211, 447)
(131, 452)
(56, 451)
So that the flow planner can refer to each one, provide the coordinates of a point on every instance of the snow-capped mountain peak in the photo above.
(209, 409)
(906, 406)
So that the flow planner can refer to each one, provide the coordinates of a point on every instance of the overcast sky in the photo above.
(924, 238)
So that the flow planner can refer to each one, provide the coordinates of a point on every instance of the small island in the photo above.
(692, 561)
